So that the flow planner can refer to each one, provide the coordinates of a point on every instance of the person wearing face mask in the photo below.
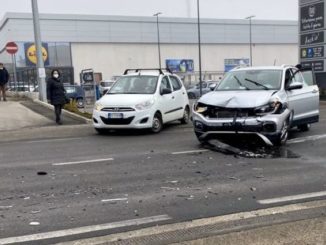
(56, 94)
(4, 78)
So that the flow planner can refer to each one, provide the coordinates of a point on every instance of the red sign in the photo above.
(11, 48)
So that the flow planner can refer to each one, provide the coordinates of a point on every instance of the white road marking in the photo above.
(188, 152)
(51, 140)
(85, 229)
(185, 226)
(292, 198)
(308, 138)
(115, 200)
(79, 162)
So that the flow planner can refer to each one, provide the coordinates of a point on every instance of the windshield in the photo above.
(135, 85)
(251, 80)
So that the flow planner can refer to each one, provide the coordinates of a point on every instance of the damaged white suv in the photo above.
(263, 101)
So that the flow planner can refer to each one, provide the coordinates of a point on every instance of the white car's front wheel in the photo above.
(157, 124)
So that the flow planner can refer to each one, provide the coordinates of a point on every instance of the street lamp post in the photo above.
(38, 44)
(199, 50)
(250, 37)
(158, 39)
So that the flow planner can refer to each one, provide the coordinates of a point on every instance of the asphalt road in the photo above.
(83, 179)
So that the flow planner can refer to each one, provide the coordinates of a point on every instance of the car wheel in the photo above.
(101, 131)
(304, 127)
(186, 116)
(80, 103)
(191, 96)
(157, 124)
(283, 136)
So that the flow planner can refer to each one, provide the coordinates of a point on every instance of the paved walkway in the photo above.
(16, 116)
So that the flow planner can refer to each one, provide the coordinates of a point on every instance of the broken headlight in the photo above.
(200, 107)
(271, 108)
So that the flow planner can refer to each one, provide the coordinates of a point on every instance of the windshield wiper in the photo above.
(238, 81)
(257, 83)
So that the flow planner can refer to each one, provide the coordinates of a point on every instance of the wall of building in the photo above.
(113, 59)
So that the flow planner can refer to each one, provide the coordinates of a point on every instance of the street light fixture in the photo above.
(158, 38)
(199, 50)
(250, 36)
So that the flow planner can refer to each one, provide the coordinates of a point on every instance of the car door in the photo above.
(166, 101)
(305, 101)
(179, 96)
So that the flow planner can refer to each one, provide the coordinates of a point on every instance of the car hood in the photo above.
(237, 99)
(124, 99)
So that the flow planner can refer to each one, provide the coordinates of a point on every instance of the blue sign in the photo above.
(230, 64)
(182, 66)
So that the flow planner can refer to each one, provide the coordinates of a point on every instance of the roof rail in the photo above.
(160, 70)
(286, 65)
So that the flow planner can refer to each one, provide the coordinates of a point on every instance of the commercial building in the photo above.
(110, 44)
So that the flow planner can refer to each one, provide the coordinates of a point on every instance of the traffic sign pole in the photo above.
(12, 49)
(13, 57)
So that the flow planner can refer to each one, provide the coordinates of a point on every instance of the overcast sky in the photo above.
(222, 9)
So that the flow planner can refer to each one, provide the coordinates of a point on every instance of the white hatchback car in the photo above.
(142, 98)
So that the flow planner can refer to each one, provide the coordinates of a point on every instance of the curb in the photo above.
(65, 112)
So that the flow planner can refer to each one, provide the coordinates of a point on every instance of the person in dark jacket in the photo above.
(56, 94)
(4, 78)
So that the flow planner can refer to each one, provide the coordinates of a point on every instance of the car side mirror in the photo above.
(212, 87)
(295, 85)
(166, 91)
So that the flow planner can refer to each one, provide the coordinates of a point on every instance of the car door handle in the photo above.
(315, 91)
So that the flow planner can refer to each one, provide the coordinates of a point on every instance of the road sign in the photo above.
(11, 47)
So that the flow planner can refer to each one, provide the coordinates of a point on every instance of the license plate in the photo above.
(115, 115)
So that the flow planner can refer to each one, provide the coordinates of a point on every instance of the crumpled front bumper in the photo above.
(266, 127)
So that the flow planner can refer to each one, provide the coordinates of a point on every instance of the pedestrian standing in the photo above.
(4, 78)
(56, 94)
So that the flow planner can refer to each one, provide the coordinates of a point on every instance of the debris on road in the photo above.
(170, 188)
(42, 173)
(115, 199)
(253, 188)
(34, 223)
(5, 207)
(173, 181)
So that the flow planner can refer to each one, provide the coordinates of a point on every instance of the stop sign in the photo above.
(11, 48)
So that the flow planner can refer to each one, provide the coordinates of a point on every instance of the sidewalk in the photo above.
(16, 116)
(24, 113)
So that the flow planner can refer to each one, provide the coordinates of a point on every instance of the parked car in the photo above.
(105, 86)
(264, 101)
(207, 86)
(142, 99)
(75, 92)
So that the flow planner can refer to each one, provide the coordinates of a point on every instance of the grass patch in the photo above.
(72, 107)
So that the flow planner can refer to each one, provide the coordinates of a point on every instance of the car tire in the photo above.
(304, 127)
(186, 116)
(80, 102)
(283, 136)
(101, 131)
(191, 96)
(157, 124)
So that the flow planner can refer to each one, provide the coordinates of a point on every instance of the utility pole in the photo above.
(199, 49)
(158, 39)
(250, 37)
(40, 64)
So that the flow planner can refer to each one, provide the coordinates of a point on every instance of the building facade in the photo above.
(110, 44)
